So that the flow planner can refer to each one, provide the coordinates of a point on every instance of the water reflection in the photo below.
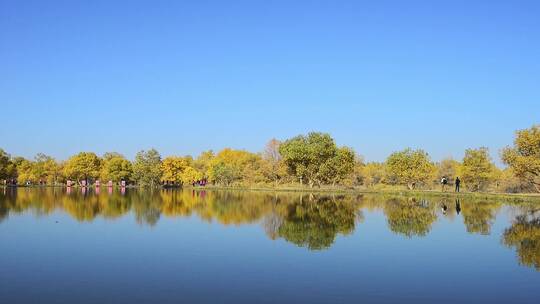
(524, 235)
(306, 220)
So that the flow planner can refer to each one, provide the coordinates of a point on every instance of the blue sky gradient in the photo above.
(187, 76)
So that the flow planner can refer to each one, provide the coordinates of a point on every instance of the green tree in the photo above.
(312, 158)
(147, 168)
(340, 166)
(524, 156)
(477, 169)
(116, 168)
(409, 167)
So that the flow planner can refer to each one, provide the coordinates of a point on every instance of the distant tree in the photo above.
(373, 173)
(339, 167)
(116, 168)
(110, 155)
(147, 168)
(190, 175)
(179, 170)
(447, 168)
(83, 166)
(5, 162)
(410, 167)
(25, 171)
(313, 158)
(46, 169)
(230, 167)
(477, 169)
(275, 168)
(173, 167)
(203, 162)
(524, 156)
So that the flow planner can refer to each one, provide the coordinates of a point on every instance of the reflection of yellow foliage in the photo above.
(311, 221)
(479, 216)
(410, 217)
(525, 236)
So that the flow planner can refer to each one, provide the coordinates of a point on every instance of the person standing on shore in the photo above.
(458, 182)
(444, 181)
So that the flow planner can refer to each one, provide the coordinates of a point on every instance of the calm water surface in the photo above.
(261, 247)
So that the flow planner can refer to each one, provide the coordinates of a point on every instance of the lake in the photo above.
(202, 246)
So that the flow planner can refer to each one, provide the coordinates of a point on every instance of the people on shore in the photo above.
(444, 182)
(458, 182)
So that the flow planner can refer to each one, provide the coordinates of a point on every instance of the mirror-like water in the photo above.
(174, 246)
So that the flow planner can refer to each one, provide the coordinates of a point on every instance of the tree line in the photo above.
(312, 160)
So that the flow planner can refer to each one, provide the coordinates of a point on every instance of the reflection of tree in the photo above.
(524, 234)
(479, 216)
(146, 206)
(315, 224)
(4, 210)
(271, 225)
(409, 217)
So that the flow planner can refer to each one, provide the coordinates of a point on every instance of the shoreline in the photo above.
(402, 192)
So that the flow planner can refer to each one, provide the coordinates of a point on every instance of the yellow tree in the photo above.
(373, 173)
(447, 168)
(25, 171)
(84, 165)
(410, 167)
(203, 162)
(46, 169)
(235, 166)
(524, 156)
(116, 168)
(477, 169)
(190, 175)
(173, 167)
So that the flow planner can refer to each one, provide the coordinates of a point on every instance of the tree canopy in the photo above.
(316, 159)
(524, 156)
(84, 165)
(410, 167)
(147, 168)
(477, 168)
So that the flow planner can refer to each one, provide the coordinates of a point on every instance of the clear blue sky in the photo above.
(186, 76)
